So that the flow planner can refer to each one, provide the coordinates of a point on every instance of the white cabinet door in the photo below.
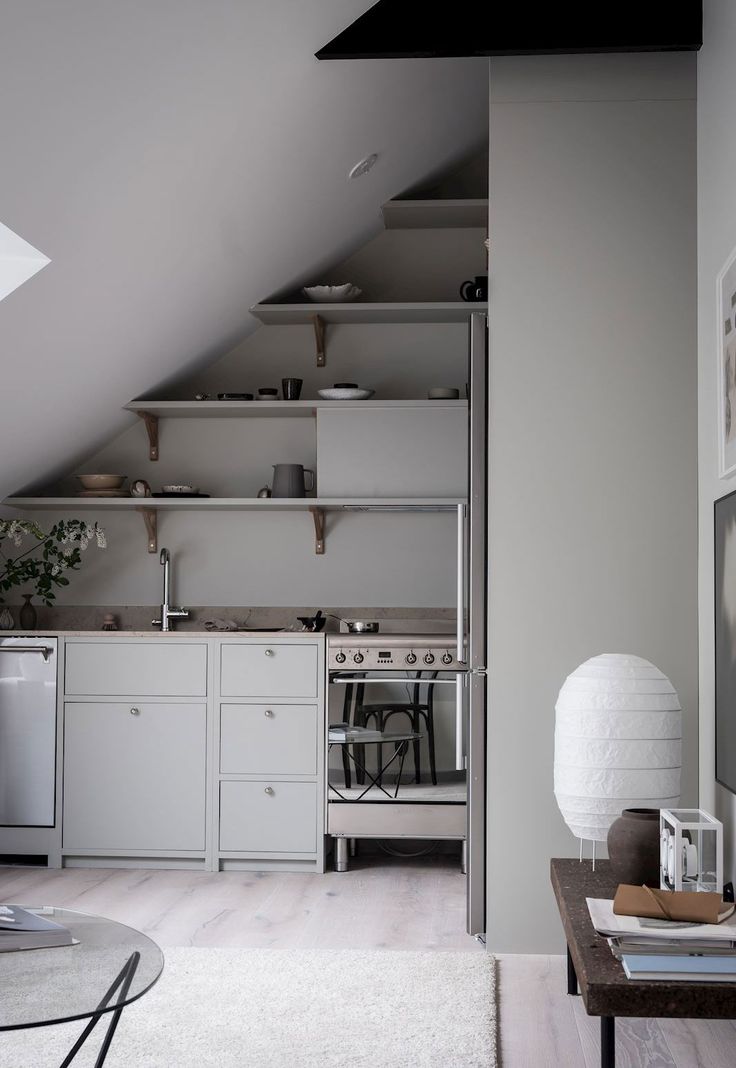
(268, 739)
(268, 817)
(269, 669)
(134, 776)
(155, 667)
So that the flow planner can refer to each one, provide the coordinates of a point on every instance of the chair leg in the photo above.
(416, 745)
(430, 746)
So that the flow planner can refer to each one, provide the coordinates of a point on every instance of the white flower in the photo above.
(56, 570)
(101, 539)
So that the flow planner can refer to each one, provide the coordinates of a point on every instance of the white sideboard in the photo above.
(187, 750)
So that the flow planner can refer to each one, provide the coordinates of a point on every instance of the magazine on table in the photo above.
(30, 929)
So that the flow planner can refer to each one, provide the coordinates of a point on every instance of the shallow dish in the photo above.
(104, 493)
(102, 482)
(346, 394)
(332, 294)
(180, 489)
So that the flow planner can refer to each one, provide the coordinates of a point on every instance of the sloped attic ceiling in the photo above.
(178, 160)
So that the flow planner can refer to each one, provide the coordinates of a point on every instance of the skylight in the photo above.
(19, 261)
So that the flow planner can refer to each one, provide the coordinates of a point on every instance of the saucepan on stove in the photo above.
(361, 626)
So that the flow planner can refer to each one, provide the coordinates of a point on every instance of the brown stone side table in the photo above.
(594, 972)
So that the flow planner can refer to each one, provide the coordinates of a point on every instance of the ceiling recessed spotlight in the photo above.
(363, 166)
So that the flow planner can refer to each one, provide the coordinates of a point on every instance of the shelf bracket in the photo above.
(319, 337)
(150, 518)
(151, 422)
(318, 515)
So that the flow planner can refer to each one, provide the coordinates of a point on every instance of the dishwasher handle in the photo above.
(45, 650)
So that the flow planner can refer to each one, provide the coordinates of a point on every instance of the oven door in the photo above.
(407, 776)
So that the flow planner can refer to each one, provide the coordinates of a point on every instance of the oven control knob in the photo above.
(428, 658)
(447, 658)
(340, 658)
(411, 658)
(358, 658)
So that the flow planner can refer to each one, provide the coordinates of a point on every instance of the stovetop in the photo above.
(375, 652)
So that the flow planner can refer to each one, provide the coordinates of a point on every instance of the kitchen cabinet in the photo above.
(268, 817)
(134, 776)
(270, 669)
(272, 739)
(269, 787)
(154, 667)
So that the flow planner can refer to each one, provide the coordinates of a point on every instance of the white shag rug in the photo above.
(263, 1008)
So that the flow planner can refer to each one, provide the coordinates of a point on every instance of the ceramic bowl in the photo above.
(332, 294)
(443, 393)
(102, 482)
(346, 394)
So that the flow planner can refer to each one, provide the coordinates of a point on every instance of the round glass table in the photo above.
(110, 966)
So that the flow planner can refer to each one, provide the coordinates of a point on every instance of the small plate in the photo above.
(346, 394)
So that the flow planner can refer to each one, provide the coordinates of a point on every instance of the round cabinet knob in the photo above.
(340, 658)
(428, 658)
(411, 658)
(269, 791)
(268, 713)
(135, 711)
(447, 658)
(269, 652)
(358, 658)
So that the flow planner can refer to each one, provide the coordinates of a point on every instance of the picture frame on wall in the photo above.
(726, 371)
(724, 527)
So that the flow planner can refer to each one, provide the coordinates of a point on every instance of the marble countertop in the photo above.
(50, 632)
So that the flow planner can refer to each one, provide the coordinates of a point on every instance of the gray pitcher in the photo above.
(289, 480)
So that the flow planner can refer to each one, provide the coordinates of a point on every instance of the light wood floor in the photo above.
(380, 903)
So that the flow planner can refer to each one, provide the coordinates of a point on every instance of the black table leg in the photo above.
(572, 979)
(608, 1042)
(123, 981)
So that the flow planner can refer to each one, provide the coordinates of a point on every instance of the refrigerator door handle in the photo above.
(459, 723)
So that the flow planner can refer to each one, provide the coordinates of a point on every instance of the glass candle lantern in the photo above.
(691, 850)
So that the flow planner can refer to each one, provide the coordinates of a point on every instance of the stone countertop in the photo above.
(50, 632)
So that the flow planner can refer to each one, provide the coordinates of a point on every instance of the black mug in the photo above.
(291, 388)
(475, 289)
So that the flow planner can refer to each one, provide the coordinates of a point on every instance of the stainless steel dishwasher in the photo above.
(27, 731)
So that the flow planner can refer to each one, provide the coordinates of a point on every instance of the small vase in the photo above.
(633, 847)
(6, 620)
(28, 617)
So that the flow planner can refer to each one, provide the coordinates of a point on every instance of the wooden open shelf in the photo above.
(456, 311)
(435, 214)
(149, 507)
(279, 409)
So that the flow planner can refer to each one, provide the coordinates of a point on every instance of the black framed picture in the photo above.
(725, 639)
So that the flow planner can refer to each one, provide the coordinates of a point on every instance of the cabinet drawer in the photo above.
(154, 668)
(268, 739)
(269, 669)
(134, 775)
(268, 817)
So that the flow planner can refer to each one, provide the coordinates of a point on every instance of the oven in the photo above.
(397, 738)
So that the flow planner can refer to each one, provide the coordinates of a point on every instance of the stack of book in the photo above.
(344, 732)
(668, 950)
(24, 929)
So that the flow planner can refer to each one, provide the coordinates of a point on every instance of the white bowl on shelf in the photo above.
(346, 394)
(332, 294)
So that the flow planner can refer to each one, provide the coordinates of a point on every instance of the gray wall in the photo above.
(592, 531)
(241, 558)
(716, 239)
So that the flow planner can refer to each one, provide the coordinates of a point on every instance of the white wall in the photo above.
(716, 239)
(592, 535)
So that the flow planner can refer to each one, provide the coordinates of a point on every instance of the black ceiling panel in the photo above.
(394, 29)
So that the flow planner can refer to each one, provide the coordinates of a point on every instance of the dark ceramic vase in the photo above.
(633, 847)
(27, 615)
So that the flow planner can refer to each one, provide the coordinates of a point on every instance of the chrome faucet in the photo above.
(167, 612)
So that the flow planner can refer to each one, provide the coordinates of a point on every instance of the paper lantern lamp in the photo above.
(618, 742)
